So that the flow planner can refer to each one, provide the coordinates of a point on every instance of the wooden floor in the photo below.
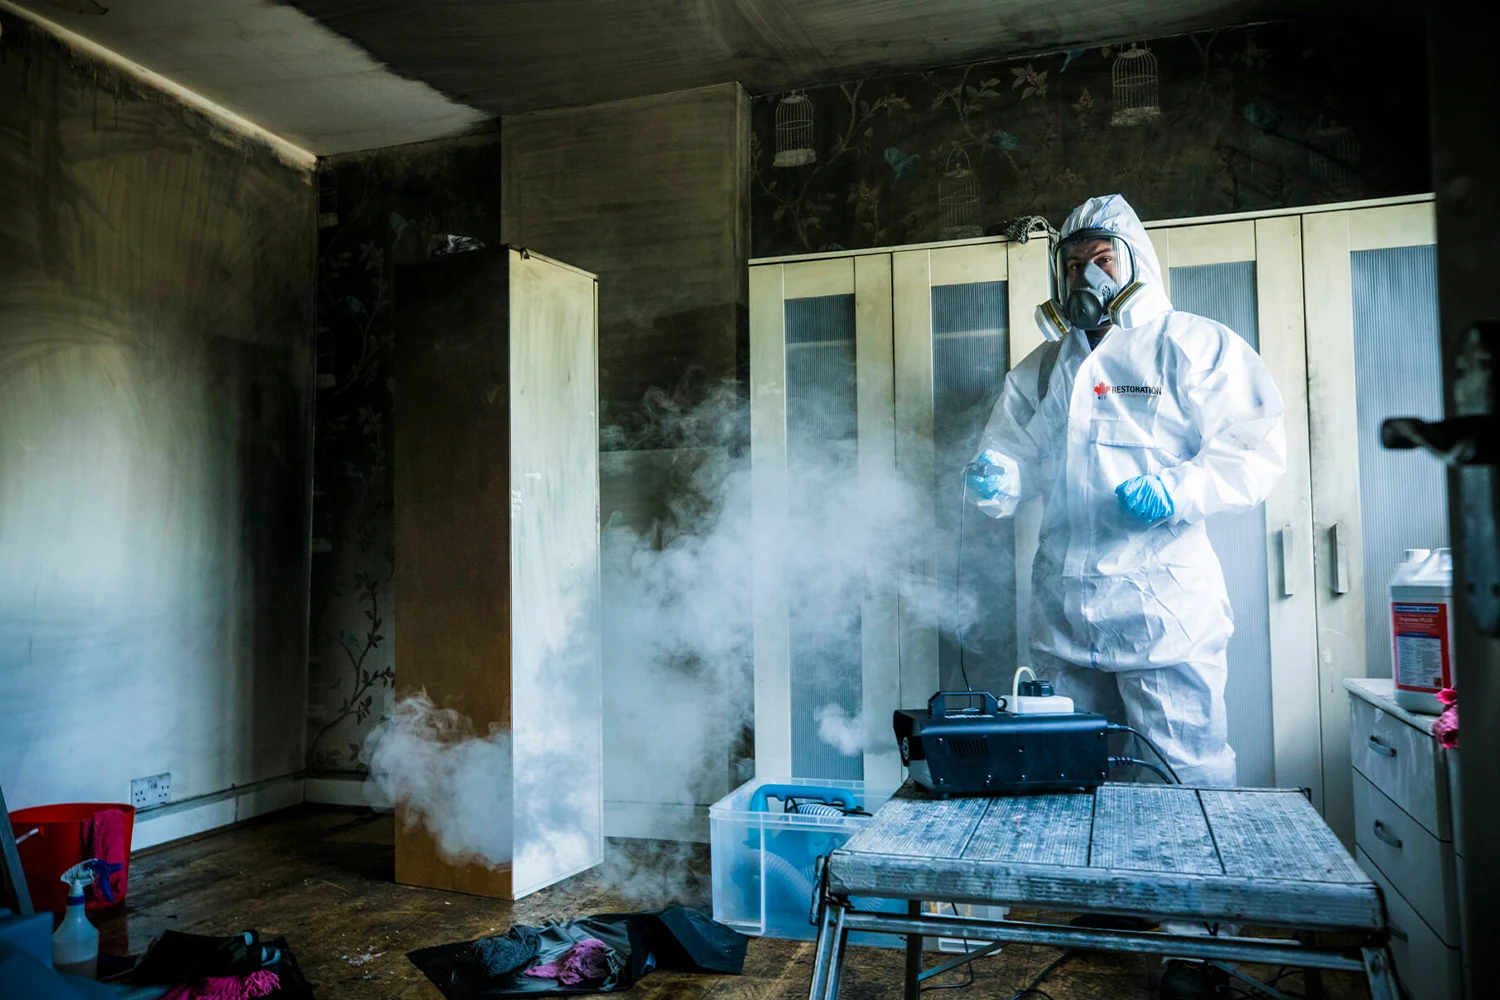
(323, 878)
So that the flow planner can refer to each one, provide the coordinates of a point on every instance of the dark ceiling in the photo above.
(511, 56)
(338, 75)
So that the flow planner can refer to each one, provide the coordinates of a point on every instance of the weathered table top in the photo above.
(1261, 856)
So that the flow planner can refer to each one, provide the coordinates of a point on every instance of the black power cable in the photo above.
(1035, 989)
(1150, 746)
(969, 966)
(1137, 762)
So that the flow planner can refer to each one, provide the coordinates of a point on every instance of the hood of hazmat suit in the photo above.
(1164, 393)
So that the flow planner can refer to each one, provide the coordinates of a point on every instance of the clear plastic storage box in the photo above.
(765, 856)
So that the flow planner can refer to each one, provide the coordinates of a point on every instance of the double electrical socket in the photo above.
(152, 791)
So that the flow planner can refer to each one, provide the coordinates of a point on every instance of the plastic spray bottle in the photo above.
(75, 945)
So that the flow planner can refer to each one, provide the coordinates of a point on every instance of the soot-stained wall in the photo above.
(156, 325)
(378, 209)
(1236, 120)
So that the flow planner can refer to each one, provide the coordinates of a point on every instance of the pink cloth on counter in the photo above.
(256, 984)
(1446, 726)
(587, 962)
(104, 838)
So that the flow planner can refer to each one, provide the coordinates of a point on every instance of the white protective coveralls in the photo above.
(1130, 617)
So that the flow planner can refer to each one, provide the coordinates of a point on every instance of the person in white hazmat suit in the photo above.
(1134, 423)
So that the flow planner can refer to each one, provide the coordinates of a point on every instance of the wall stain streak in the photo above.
(156, 402)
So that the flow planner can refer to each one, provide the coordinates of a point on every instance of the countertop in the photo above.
(1381, 692)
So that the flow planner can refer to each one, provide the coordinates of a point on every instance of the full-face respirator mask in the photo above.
(1090, 271)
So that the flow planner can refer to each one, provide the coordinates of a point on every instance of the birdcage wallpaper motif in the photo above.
(958, 198)
(794, 132)
(1252, 140)
(1135, 88)
(1334, 157)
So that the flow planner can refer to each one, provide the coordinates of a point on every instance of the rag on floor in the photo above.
(249, 987)
(629, 945)
(500, 956)
(193, 961)
(104, 835)
(1445, 727)
(587, 962)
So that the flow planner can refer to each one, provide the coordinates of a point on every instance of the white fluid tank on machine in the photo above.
(1421, 599)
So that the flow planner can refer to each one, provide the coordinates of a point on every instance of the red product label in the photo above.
(1421, 641)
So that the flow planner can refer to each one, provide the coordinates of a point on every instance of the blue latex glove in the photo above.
(1145, 497)
(988, 476)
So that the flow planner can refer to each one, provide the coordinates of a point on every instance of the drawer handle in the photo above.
(1381, 833)
(1381, 748)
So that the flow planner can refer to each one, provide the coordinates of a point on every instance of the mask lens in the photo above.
(1088, 270)
(1109, 253)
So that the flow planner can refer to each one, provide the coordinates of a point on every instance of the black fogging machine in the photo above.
(972, 743)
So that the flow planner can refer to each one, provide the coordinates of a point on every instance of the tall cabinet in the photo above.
(914, 344)
(497, 540)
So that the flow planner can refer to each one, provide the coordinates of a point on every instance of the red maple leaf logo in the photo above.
(1101, 390)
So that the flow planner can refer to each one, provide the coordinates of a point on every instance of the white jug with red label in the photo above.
(1421, 598)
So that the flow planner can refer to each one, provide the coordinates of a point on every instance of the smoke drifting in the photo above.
(429, 761)
(839, 731)
(677, 621)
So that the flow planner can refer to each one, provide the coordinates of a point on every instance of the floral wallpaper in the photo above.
(1232, 120)
(375, 210)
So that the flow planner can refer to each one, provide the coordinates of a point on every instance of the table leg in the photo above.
(1378, 969)
(822, 953)
(1313, 978)
(913, 955)
(836, 968)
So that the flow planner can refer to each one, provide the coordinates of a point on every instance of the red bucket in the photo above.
(57, 845)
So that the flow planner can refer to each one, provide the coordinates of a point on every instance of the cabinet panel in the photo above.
(1372, 352)
(822, 440)
(821, 417)
(952, 327)
(880, 631)
(1397, 372)
(1292, 611)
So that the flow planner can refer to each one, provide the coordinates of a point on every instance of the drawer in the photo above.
(1403, 762)
(1416, 862)
(1427, 968)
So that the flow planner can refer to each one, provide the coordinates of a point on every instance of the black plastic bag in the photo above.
(676, 938)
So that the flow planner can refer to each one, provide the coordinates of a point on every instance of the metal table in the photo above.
(1202, 855)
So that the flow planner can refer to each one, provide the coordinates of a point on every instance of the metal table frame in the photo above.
(836, 919)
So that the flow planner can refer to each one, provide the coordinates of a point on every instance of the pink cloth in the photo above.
(1446, 726)
(587, 962)
(104, 838)
(256, 984)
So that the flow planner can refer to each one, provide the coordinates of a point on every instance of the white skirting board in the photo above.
(217, 809)
(154, 827)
